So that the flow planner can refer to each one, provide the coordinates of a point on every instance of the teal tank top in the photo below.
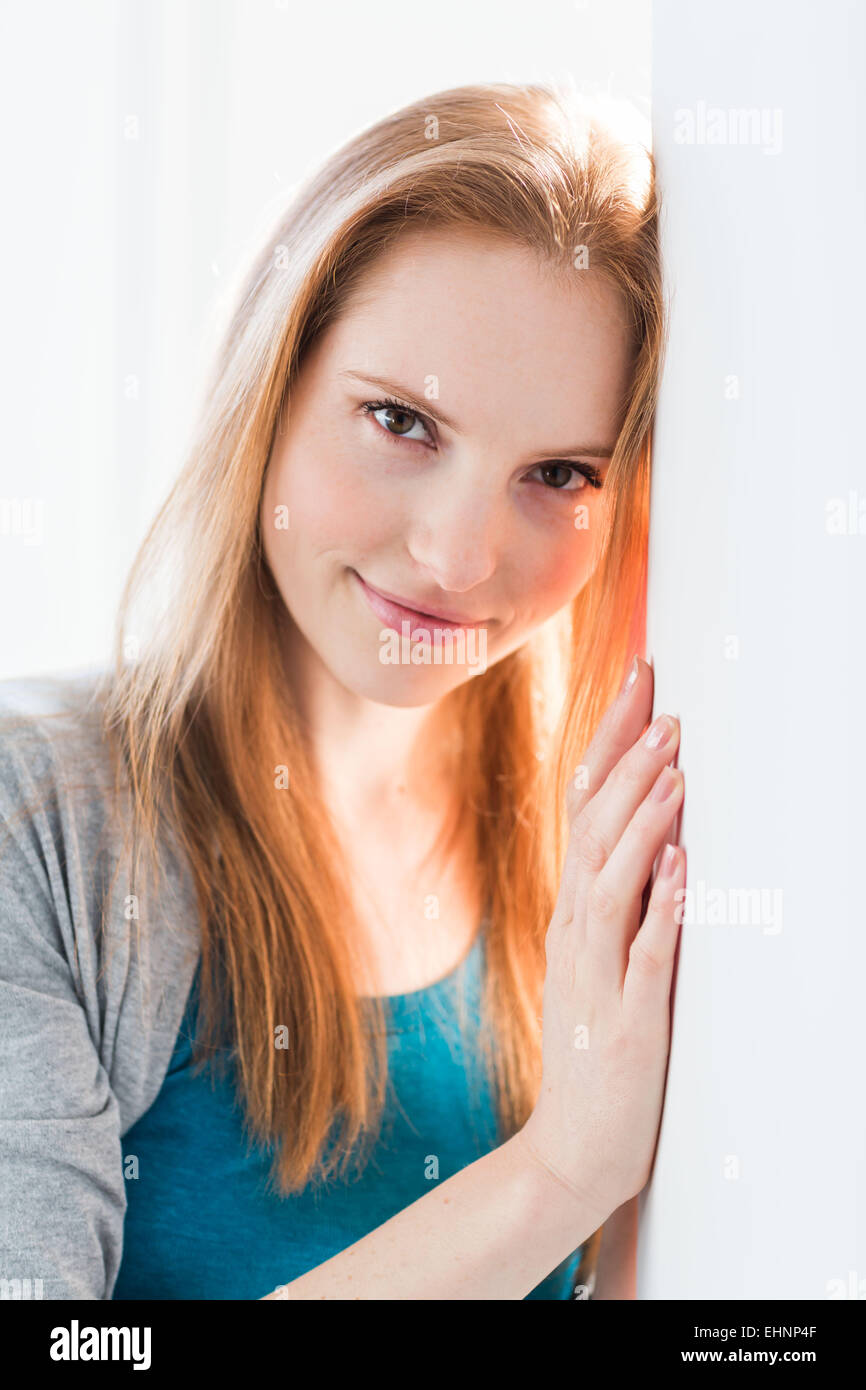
(202, 1219)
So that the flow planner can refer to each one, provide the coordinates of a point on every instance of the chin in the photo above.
(405, 687)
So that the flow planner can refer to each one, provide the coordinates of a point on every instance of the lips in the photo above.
(395, 611)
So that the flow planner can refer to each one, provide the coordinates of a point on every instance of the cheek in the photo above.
(333, 501)
(555, 573)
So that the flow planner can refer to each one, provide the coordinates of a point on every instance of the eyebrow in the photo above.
(424, 408)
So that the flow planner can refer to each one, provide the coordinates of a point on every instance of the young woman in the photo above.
(328, 957)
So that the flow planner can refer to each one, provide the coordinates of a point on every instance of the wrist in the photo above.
(553, 1198)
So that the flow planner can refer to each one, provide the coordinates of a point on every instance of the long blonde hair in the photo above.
(195, 704)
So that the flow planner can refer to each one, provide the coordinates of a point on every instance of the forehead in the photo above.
(469, 277)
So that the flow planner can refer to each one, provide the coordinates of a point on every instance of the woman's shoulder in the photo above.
(51, 728)
(58, 798)
(64, 795)
(63, 786)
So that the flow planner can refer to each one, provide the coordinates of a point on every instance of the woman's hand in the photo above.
(606, 1020)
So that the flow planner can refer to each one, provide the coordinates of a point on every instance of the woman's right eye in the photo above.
(399, 417)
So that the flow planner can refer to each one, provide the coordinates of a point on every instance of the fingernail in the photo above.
(660, 731)
(669, 862)
(631, 677)
(664, 784)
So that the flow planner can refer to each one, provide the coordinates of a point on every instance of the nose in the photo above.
(455, 533)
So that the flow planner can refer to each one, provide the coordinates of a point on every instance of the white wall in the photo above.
(755, 626)
(145, 144)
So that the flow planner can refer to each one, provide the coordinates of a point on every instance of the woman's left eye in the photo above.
(580, 474)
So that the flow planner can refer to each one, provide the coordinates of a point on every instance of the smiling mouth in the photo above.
(394, 612)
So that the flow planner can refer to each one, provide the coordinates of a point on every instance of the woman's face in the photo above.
(470, 498)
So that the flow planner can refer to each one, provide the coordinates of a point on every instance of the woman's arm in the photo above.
(494, 1230)
(62, 1187)
(617, 1256)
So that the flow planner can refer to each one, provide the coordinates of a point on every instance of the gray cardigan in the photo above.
(87, 1022)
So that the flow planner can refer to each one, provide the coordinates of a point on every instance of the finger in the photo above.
(647, 984)
(617, 731)
(612, 904)
(601, 824)
(619, 727)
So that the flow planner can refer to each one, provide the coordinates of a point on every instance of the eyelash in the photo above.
(586, 470)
